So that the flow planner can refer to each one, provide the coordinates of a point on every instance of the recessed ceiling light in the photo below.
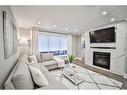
(112, 19)
(66, 29)
(76, 30)
(39, 22)
(54, 26)
(104, 13)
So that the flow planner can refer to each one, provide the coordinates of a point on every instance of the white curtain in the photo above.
(34, 42)
(69, 42)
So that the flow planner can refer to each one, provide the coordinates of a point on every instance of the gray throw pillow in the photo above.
(21, 78)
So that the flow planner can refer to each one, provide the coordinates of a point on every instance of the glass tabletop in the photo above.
(70, 72)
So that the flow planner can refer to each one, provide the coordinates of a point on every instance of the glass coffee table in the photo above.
(70, 72)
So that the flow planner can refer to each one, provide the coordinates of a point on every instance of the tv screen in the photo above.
(106, 35)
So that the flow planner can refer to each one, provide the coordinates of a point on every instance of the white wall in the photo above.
(78, 45)
(34, 41)
(82, 48)
(25, 34)
(118, 63)
(73, 44)
(69, 44)
(5, 64)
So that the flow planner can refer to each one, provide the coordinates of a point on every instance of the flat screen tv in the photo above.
(106, 35)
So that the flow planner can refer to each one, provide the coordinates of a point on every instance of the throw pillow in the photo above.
(33, 58)
(38, 77)
(21, 78)
(34, 64)
(40, 66)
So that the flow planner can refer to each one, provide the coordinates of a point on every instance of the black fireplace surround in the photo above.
(101, 59)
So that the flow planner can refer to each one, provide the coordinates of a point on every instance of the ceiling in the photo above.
(67, 19)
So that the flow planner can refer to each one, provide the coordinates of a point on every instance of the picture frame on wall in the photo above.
(9, 35)
(15, 39)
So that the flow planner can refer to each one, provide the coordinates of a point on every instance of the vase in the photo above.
(71, 64)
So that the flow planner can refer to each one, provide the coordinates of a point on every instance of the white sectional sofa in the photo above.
(21, 78)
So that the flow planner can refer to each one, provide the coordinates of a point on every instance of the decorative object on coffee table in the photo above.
(71, 58)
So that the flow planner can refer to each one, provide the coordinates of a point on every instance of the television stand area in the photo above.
(104, 47)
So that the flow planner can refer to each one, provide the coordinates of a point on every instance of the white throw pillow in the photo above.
(39, 66)
(34, 64)
(38, 77)
(33, 58)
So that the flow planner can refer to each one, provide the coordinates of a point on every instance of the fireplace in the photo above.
(101, 59)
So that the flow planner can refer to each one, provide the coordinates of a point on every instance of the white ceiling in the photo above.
(80, 18)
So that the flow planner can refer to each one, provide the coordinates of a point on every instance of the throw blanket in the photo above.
(60, 61)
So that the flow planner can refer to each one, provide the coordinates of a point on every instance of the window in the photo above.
(52, 43)
(42, 43)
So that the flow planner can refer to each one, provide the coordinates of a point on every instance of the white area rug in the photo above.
(92, 81)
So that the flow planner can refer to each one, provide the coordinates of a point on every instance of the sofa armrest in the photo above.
(60, 61)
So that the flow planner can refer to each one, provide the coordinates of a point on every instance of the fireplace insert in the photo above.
(101, 59)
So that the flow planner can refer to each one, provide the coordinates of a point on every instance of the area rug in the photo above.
(92, 80)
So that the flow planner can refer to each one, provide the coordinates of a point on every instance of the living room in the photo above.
(75, 47)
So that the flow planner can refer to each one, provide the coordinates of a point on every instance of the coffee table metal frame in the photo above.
(70, 73)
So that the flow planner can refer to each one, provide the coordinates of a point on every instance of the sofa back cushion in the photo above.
(46, 56)
(38, 56)
(21, 78)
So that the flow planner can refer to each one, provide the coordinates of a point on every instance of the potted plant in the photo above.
(71, 58)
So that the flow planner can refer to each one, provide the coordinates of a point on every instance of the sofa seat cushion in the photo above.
(50, 64)
(21, 78)
(54, 86)
(43, 68)
(53, 83)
